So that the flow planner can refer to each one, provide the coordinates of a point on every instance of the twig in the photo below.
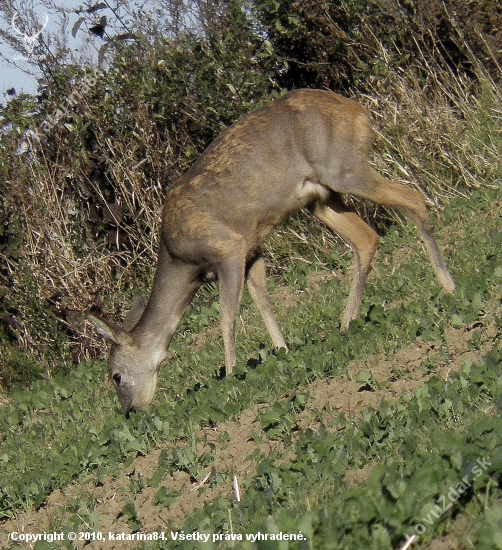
(237, 493)
(201, 483)
(409, 542)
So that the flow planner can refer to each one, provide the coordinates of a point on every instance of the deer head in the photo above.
(135, 380)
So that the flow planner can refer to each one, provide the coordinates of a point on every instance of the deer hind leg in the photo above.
(363, 241)
(411, 204)
(257, 285)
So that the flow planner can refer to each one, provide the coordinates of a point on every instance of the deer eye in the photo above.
(117, 379)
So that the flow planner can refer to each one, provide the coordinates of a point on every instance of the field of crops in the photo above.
(365, 439)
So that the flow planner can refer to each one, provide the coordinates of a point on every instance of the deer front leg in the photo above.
(231, 273)
(257, 285)
(363, 241)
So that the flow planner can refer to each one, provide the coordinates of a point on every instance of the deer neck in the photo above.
(174, 285)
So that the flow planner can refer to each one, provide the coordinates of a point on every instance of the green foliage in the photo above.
(19, 367)
(430, 469)
(351, 44)
(490, 531)
(131, 517)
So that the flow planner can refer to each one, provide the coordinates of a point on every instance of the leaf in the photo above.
(165, 498)
(368, 383)
(130, 516)
(156, 479)
(77, 26)
(273, 416)
(96, 7)
(457, 321)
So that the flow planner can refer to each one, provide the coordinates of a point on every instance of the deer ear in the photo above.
(135, 313)
(109, 331)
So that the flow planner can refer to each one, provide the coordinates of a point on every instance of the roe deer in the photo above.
(302, 150)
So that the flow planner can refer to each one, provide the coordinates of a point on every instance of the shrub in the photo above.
(339, 45)
(81, 205)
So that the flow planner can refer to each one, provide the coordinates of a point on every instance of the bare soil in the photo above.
(232, 445)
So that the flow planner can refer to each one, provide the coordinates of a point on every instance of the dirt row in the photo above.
(232, 445)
